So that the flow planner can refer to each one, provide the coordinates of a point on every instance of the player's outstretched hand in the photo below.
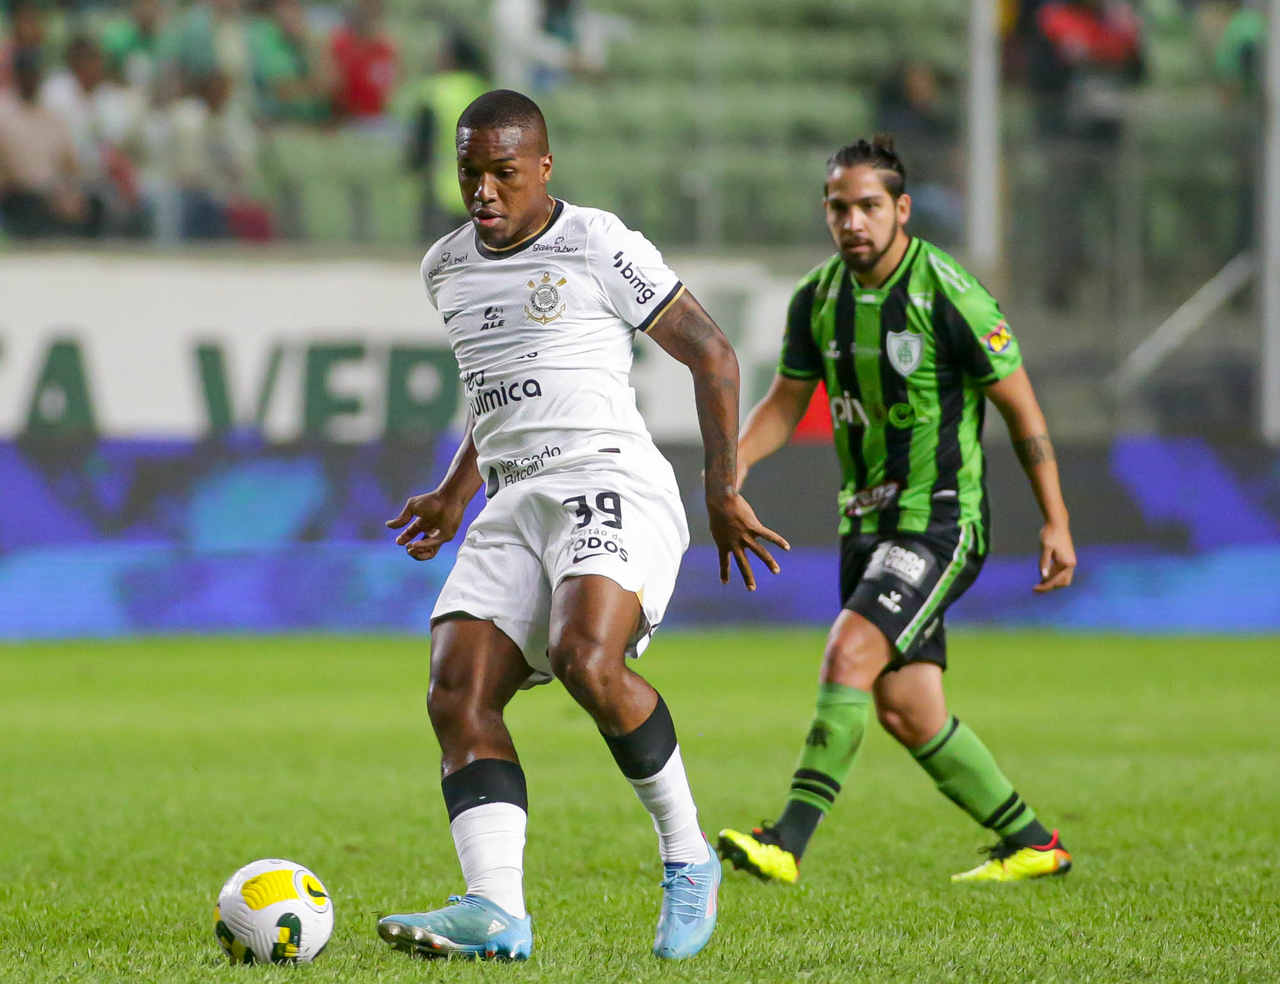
(1057, 558)
(736, 530)
(433, 517)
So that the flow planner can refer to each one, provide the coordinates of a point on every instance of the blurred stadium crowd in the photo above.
(158, 119)
(266, 119)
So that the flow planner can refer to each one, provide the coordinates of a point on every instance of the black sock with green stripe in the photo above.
(829, 750)
(967, 774)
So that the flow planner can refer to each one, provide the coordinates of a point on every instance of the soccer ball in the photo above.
(273, 910)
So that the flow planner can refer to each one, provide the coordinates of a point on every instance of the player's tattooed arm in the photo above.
(1033, 450)
(432, 519)
(690, 336)
(1017, 403)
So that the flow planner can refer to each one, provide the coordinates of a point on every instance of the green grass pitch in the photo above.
(135, 776)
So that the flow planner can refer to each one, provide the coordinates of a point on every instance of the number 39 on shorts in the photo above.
(607, 503)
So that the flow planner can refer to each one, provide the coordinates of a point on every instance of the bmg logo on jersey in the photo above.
(644, 290)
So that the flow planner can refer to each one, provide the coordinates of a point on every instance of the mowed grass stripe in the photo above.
(135, 776)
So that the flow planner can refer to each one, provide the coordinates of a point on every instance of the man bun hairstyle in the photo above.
(502, 108)
(877, 153)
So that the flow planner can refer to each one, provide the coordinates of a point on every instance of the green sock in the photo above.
(829, 750)
(967, 774)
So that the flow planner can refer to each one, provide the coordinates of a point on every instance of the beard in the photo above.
(868, 262)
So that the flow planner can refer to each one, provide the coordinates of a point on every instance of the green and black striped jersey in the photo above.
(904, 365)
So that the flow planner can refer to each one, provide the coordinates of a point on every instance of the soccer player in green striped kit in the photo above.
(910, 347)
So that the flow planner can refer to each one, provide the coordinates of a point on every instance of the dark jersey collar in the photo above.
(904, 264)
(501, 254)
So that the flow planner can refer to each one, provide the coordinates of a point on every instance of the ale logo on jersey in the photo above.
(905, 350)
(545, 303)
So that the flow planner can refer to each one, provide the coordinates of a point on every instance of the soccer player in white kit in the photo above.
(570, 565)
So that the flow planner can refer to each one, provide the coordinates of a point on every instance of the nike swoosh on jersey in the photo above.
(448, 316)
(581, 557)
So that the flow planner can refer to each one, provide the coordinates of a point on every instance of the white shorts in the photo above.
(532, 535)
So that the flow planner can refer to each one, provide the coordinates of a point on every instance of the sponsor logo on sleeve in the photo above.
(998, 338)
(644, 291)
(447, 259)
(951, 275)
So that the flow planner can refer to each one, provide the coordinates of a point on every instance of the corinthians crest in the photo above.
(905, 350)
(545, 304)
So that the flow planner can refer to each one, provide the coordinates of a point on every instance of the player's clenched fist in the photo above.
(736, 530)
(433, 517)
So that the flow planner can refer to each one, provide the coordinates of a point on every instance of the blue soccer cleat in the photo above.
(471, 926)
(689, 902)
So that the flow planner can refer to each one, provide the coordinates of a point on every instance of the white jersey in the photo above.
(542, 332)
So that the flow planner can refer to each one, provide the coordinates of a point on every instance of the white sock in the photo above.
(667, 797)
(489, 840)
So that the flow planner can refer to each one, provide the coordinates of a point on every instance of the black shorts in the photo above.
(903, 583)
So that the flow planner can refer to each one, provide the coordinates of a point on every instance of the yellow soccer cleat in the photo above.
(1008, 862)
(761, 853)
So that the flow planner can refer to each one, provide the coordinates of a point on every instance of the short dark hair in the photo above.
(878, 153)
(501, 108)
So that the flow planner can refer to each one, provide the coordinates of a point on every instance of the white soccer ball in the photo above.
(273, 911)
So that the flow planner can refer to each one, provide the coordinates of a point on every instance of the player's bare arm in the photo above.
(772, 421)
(432, 519)
(1016, 401)
(691, 337)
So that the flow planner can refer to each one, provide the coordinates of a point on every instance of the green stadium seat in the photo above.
(1176, 60)
(671, 13)
(665, 114)
(796, 115)
(741, 99)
